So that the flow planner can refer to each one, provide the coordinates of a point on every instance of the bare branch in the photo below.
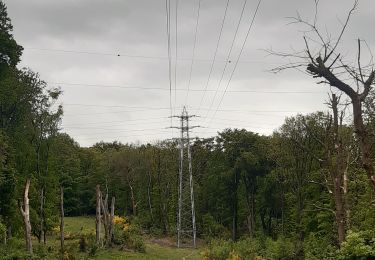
(342, 30)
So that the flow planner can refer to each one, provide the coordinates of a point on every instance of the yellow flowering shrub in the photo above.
(234, 256)
(120, 221)
(56, 229)
(126, 227)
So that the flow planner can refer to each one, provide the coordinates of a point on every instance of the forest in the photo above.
(304, 192)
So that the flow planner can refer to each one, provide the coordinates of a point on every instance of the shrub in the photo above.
(319, 247)
(93, 248)
(2, 232)
(358, 245)
(219, 249)
(127, 235)
(82, 244)
(212, 229)
(249, 248)
(282, 248)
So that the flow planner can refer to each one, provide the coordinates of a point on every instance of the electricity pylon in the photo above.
(186, 229)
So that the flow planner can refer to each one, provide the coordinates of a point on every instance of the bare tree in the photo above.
(323, 60)
(108, 214)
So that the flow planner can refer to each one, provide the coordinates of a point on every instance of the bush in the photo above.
(319, 247)
(218, 249)
(82, 244)
(93, 248)
(127, 235)
(282, 248)
(358, 245)
(212, 229)
(2, 232)
(250, 248)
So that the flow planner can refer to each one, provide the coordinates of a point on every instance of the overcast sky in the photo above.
(103, 54)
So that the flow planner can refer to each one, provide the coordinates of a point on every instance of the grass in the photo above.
(153, 251)
(75, 226)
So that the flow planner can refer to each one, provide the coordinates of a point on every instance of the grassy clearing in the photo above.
(75, 225)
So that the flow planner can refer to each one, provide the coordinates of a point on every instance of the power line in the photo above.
(239, 55)
(168, 8)
(111, 127)
(228, 56)
(163, 108)
(110, 106)
(194, 46)
(92, 138)
(181, 89)
(122, 121)
(215, 53)
(176, 56)
(137, 56)
(124, 130)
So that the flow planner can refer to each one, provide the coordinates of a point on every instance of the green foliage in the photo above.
(2, 231)
(82, 244)
(264, 187)
(212, 229)
(358, 245)
(282, 248)
(317, 247)
(218, 249)
(14, 249)
(251, 248)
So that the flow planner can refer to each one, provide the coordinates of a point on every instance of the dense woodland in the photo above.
(306, 191)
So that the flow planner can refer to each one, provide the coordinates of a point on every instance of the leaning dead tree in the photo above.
(25, 211)
(108, 214)
(323, 59)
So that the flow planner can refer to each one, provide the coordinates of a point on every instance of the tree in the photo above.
(322, 59)
(10, 51)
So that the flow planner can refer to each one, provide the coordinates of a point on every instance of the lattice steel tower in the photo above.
(186, 229)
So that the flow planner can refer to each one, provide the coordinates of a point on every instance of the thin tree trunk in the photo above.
(337, 173)
(111, 221)
(104, 205)
(62, 221)
(235, 207)
(345, 191)
(149, 195)
(41, 233)
(364, 142)
(98, 213)
(5, 237)
(108, 218)
(134, 204)
(25, 211)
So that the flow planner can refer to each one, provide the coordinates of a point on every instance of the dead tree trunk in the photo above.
(111, 220)
(98, 213)
(104, 206)
(108, 218)
(62, 221)
(338, 167)
(25, 211)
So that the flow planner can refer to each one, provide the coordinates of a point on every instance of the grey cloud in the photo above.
(138, 27)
